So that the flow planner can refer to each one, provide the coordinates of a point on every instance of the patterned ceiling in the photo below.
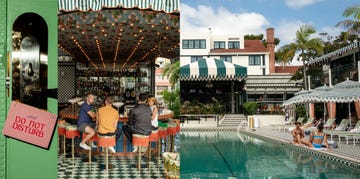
(118, 39)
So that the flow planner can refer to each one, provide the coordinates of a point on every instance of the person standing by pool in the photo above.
(155, 112)
(318, 137)
(299, 135)
(85, 124)
(139, 119)
(107, 120)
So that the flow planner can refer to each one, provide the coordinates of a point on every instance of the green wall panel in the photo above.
(26, 161)
(3, 18)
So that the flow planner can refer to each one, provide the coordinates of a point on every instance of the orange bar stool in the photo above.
(91, 140)
(154, 137)
(105, 141)
(171, 132)
(162, 136)
(61, 133)
(71, 133)
(140, 141)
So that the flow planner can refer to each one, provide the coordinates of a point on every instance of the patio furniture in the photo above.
(91, 140)
(105, 142)
(61, 135)
(287, 124)
(153, 138)
(140, 141)
(70, 133)
(171, 165)
(341, 128)
(355, 133)
(327, 124)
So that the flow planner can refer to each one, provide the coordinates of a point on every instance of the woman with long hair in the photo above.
(155, 112)
(318, 138)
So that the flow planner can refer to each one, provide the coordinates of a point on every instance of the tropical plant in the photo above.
(196, 107)
(172, 101)
(352, 26)
(300, 111)
(304, 45)
(172, 72)
(250, 107)
(261, 37)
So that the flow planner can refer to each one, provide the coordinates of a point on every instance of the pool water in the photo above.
(228, 155)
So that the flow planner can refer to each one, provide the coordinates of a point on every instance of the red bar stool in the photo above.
(140, 141)
(91, 140)
(61, 134)
(105, 141)
(154, 137)
(171, 132)
(71, 133)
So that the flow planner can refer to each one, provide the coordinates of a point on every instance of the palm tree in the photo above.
(352, 26)
(172, 72)
(304, 45)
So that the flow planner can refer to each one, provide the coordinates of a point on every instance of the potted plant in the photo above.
(250, 109)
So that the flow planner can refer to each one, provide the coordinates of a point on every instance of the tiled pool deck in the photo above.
(345, 154)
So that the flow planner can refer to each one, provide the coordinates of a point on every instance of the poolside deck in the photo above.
(347, 154)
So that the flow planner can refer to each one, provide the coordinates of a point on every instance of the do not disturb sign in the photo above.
(29, 124)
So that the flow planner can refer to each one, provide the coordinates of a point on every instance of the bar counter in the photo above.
(70, 114)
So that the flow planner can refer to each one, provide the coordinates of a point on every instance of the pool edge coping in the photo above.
(326, 155)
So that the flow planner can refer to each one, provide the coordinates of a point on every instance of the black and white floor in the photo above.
(123, 168)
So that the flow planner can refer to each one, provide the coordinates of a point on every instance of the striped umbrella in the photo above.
(212, 69)
(345, 92)
(298, 98)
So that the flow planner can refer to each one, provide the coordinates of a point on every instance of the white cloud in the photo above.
(220, 20)
(331, 31)
(300, 3)
(286, 31)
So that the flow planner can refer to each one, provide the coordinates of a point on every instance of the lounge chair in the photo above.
(287, 124)
(278, 126)
(354, 133)
(339, 129)
(309, 122)
(327, 124)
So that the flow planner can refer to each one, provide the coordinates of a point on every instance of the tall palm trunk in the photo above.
(304, 68)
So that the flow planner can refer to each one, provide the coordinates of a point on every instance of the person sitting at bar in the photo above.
(107, 120)
(155, 112)
(139, 120)
(106, 92)
(85, 124)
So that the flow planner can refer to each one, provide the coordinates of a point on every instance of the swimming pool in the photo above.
(234, 155)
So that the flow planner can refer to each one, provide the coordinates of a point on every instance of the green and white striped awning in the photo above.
(168, 6)
(212, 69)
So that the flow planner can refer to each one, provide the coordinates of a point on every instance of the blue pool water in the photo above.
(228, 155)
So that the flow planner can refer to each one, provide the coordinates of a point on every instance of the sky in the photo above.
(255, 16)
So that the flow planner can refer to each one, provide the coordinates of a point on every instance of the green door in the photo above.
(32, 70)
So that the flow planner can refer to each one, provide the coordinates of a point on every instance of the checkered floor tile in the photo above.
(123, 168)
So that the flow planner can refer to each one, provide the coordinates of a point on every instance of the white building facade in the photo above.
(258, 59)
(230, 48)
